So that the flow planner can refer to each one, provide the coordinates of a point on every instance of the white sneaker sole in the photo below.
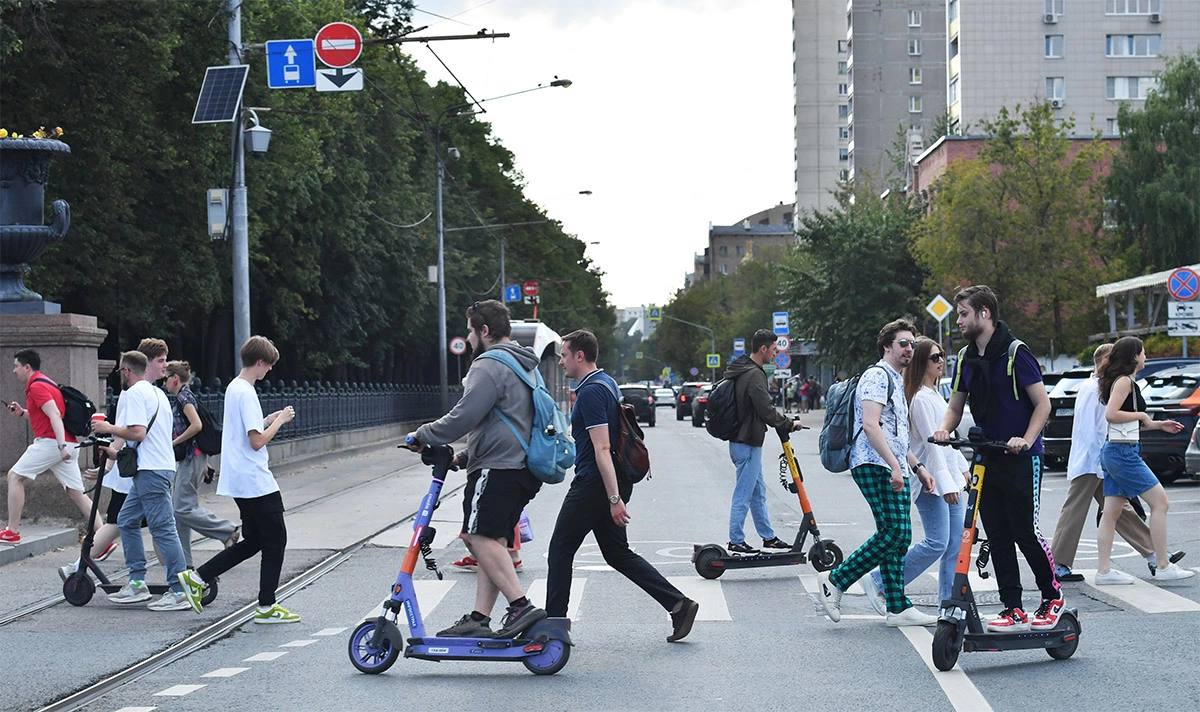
(173, 607)
(275, 621)
(130, 601)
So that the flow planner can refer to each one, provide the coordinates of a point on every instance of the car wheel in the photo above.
(678, 414)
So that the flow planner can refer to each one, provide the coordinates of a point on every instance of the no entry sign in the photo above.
(338, 44)
(530, 287)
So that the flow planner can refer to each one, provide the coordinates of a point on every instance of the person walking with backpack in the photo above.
(598, 498)
(754, 414)
(53, 447)
(880, 463)
(499, 482)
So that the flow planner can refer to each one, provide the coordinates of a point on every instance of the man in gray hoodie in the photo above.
(499, 484)
(755, 414)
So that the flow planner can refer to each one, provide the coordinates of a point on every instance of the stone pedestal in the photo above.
(68, 346)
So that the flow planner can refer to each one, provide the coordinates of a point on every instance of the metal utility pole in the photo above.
(711, 338)
(443, 377)
(504, 278)
(238, 207)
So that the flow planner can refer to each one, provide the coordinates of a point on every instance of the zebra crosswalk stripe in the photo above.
(1142, 595)
(537, 594)
(708, 593)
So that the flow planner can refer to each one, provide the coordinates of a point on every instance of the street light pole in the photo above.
(443, 376)
(503, 277)
(238, 207)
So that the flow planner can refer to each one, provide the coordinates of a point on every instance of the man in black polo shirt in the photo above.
(597, 498)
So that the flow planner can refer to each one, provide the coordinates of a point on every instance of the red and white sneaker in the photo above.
(1047, 614)
(466, 563)
(8, 536)
(107, 552)
(1010, 620)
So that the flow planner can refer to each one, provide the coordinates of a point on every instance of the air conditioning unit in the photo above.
(1050, 19)
(1057, 103)
(1156, 17)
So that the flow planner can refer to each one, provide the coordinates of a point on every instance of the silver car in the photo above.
(664, 396)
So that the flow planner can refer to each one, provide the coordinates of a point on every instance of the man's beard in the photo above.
(972, 332)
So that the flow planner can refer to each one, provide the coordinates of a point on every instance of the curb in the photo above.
(25, 550)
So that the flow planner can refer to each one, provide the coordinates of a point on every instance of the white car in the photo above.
(967, 422)
(664, 396)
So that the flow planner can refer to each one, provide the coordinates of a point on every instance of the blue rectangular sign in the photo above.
(291, 64)
(739, 347)
(512, 293)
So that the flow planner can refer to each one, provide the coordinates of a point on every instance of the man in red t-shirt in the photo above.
(53, 448)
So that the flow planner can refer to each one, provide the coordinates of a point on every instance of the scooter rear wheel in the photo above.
(947, 644)
(554, 657)
(371, 660)
(78, 589)
(825, 555)
(210, 592)
(705, 559)
(1067, 649)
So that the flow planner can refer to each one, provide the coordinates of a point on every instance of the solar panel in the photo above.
(221, 94)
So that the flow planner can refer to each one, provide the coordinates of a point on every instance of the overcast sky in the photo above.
(680, 116)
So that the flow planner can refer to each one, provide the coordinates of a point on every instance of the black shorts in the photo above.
(116, 500)
(493, 500)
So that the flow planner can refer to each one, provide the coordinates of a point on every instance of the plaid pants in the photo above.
(886, 547)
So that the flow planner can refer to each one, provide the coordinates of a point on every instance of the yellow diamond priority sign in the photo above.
(939, 308)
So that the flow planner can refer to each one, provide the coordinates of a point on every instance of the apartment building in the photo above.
(820, 52)
(762, 236)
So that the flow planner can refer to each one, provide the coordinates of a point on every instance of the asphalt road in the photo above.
(759, 643)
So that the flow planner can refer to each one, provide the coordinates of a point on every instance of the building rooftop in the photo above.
(750, 229)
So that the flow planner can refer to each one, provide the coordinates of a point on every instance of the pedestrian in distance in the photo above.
(190, 464)
(1126, 475)
(246, 477)
(755, 414)
(144, 423)
(943, 509)
(1086, 477)
(998, 375)
(52, 450)
(882, 464)
(499, 483)
(597, 501)
(804, 389)
(814, 393)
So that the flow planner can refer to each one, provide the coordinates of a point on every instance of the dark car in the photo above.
(641, 397)
(685, 397)
(700, 405)
(1164, 392)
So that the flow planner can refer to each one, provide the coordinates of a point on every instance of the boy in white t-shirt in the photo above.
(246, 477)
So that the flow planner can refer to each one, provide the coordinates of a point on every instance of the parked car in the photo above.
(683, 401)
(641, 397)
(664, 396)
(1165, 393)
(700, 405)
(1057, 435)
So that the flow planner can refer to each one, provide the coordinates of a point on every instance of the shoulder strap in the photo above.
(1012, 359)
(43, 379)
(508, 360)
(958, 368)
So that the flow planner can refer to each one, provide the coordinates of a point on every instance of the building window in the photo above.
(1113, 128)
(843, 89)
(1132, 45)
(952, 11)
(742, 250)
(914, 75)
(843, 111)
(843, 154)
(843, 46)
(1132, 7)
(1054, 46)
(914, 48)
(1054, 7)
(787, 218)
(724, 267)
(1056, 88)
(952, 92)
(844, 133)
(844, 174)
(724, 250)
(1109, 221)
(914, 104)
(1130, 87)
(914, 18)
(953, 48)
(843, 67)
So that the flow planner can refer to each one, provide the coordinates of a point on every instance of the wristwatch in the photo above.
(614, 498)
(918, 466)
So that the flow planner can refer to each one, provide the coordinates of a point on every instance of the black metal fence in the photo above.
(323, 407)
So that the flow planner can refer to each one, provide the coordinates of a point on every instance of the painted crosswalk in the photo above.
(1144, 596)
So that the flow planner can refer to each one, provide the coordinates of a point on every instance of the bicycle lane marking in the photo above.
(959, 689)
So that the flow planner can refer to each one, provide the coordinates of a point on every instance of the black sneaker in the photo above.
(468, 627)
(682, 617)
(775, 543)
(741, 548)
(517, 620)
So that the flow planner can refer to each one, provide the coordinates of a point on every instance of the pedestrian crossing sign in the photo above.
(714, 361)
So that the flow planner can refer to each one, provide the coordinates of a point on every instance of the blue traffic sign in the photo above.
(1184, 284)
(739, 347)
(783, 359)
(291, 64)
(780, 322)
(512, 293)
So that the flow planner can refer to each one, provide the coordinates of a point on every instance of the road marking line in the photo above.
(265, 657)
(178, 690)
(809, 581)
(537, 593)
(977, 584)
(960, 691)
(1143, 596)
(430, 593)
(137, 709)
(298, 643)
(225, 672)
(708, 593)
(329, 631)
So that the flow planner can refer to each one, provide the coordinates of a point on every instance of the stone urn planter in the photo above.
(24, 172)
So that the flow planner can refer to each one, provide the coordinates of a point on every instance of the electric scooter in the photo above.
(78, 588)
(959, 627)
(544, 648)
(711, 560)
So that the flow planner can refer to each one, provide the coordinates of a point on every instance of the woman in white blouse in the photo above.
(942, 511)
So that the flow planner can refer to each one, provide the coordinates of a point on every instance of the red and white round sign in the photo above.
(338, 44)
(458, 346)
(530, 287)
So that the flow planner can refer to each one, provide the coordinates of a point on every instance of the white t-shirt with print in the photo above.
(139, 404)
(873, 386)
(244, 470)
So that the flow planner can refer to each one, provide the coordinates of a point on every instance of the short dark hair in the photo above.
(153, 348)
(585, 341)
(135, 361)
(493, 315)
(259, 348)
(29, 357)
(888, 333)
(761, 338)
(979, 297)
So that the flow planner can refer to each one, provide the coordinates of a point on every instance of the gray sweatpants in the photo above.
(189, 515)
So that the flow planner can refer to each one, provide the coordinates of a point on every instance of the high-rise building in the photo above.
(819, 66)
(1084, 56)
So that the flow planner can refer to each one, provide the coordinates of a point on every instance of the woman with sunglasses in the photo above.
(942, 510)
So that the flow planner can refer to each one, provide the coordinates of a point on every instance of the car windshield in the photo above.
(1170, 387)
(1069, 384)
(635, 391)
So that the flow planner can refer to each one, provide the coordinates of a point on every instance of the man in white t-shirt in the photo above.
(144, 424)
(246, 477)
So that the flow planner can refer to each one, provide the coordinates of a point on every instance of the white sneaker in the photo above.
(133, 592)
(171, 601)
(910, 616)
(874, 597)
(1173, 572)
(1115, 577)
(64, 572)
(830, 597)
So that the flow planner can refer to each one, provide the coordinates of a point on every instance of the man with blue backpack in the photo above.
(497, 415)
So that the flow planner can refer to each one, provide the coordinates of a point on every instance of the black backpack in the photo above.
(721, 414)
(79, 409)
(209, 439)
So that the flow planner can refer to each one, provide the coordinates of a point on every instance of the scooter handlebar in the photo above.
(996, 446)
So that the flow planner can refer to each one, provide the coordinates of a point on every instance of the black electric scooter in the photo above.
(78, 588)
(959, 627)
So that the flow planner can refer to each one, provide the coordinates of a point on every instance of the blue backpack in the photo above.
(550, 451)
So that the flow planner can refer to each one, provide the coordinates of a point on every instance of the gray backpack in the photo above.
(837, 434)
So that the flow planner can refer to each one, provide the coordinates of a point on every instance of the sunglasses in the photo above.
(937, 358)
(905, 343)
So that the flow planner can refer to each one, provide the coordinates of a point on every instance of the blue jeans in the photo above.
(150, 497)
(749, 493)
(942, 523)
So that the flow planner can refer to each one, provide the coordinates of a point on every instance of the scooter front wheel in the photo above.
(947, 644)
(78, 589)
(369, 659)
(554, 656)
(705, 560)
(825, 555)
(1067, 649)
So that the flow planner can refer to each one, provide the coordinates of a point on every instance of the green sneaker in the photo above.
(275, 614)
(193, 588)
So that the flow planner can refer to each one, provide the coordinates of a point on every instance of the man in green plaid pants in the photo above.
(881, 465)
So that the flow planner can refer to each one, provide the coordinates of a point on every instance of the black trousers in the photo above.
(262, 530)
(585, 510)
(1009, 506)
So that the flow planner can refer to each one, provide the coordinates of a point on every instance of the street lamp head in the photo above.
(564, 83)
(585, 192)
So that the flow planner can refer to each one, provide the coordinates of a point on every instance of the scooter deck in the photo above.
(527, 643)
(783, 558)
(1027, 640)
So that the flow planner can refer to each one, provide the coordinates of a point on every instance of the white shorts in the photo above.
(42, 455)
